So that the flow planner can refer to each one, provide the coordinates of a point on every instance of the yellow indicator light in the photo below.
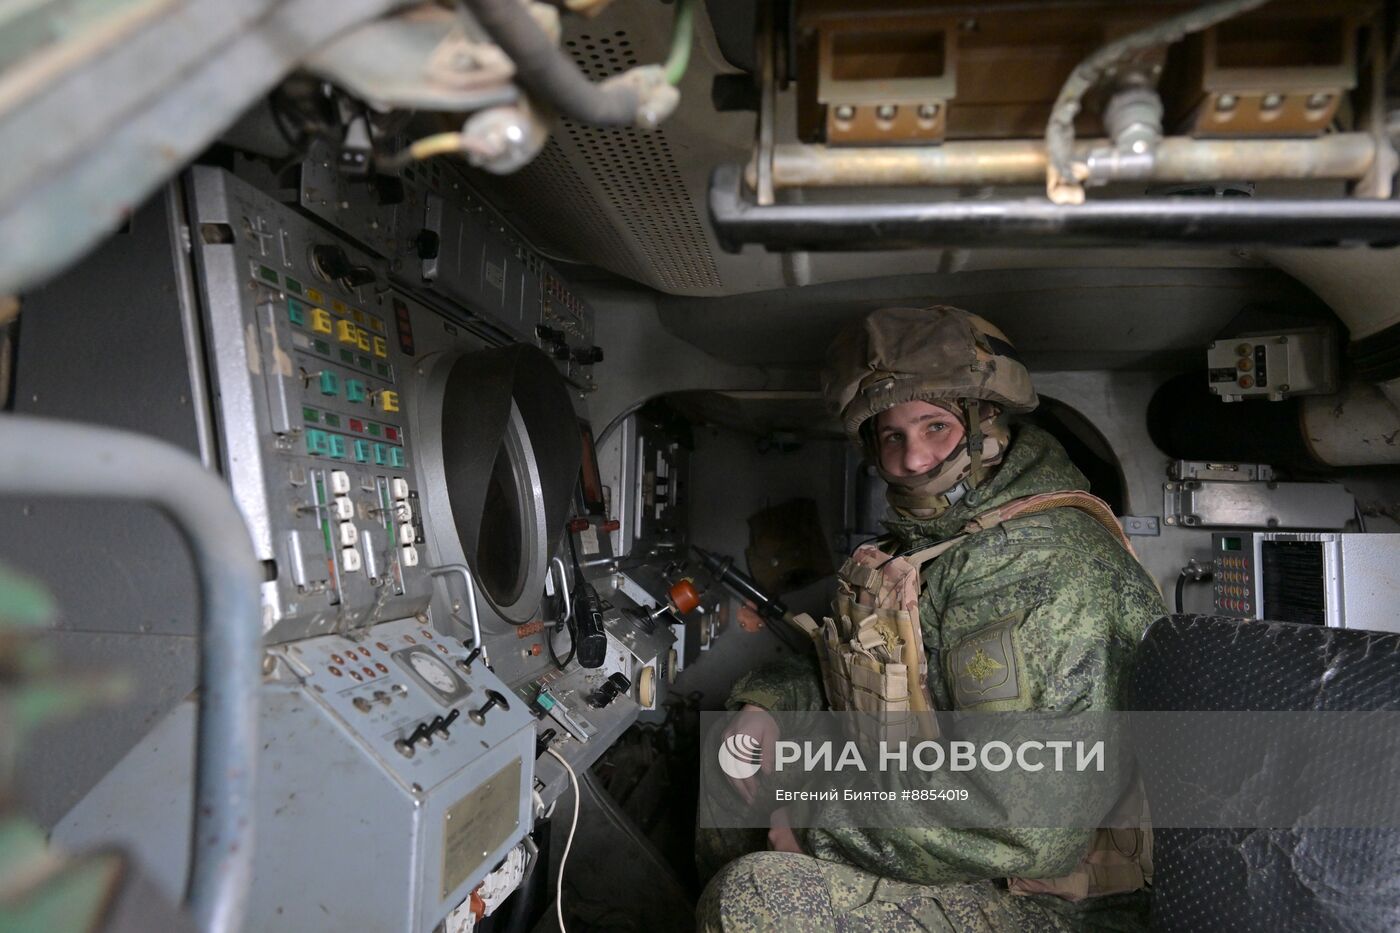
(347, 333)
(320, 320)
(381, 347)
(389, 399)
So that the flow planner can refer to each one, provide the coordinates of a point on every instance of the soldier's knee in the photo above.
(765, 891)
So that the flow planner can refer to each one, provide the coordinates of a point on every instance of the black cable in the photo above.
(1180, 589)
(549, 643)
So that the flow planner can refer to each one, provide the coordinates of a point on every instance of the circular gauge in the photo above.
(434, 673)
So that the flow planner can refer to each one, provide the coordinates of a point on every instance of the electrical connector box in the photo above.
(1275, 366)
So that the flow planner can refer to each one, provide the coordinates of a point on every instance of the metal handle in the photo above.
(563, 584)
(43, 457)
(470, 582)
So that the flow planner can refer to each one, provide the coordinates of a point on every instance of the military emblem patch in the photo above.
(984, 665)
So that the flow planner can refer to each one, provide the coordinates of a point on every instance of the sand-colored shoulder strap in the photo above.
(1095, 507)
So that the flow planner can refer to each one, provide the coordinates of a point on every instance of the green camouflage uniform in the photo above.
(1077, 604)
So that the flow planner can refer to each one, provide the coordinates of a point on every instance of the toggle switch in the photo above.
(403, 512)
(409, 556)
(350, 560)
(406, 532)
(349, 534)
(399, 487)
(342, 508)
(493, 699)
(340, 482)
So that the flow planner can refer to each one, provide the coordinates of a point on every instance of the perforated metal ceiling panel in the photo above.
(616, 197)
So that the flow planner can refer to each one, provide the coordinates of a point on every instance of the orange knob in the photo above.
(684, 596)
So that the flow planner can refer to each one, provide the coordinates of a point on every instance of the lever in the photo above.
(493, 699)
(467, 662)
(441, 723)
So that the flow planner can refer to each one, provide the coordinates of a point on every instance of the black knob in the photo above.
(330, 261)
(467, 662)
(357, 276)
(586, 356)
(493, 699)
(441, 723)
(427, 243)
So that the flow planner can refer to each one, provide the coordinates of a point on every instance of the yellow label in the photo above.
(389, 399)
(320, 320)
(381, 347)
(362, 339)
(347, 332)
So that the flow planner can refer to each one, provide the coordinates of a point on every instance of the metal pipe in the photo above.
(469, 582)
(1023, 161)
(39, 456)
(1037, 222)
(1061, 185)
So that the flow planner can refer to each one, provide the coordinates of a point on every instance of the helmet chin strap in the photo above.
(966, 467)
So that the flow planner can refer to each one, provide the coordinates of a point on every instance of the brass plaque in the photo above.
(476, 825)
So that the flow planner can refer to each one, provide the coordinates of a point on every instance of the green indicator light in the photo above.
(396, 457)
(337, 446)
(322, 347)
(372, 428)
(332, 420)
(545, 701)
(292, 285)
(330, 383)
(311, 414)
(383, 369)
(381, 455)
(267, 274)
(347, 357)
(365, 362)
(296, 312)
(362, 449)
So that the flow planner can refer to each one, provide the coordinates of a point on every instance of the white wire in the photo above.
(573, 825)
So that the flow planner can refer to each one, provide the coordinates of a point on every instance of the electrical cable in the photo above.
(682, 38)
(546, 73)
(1180, 590)
(1059, 131)
(568, 844)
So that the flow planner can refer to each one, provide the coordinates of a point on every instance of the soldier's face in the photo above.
(915, 437)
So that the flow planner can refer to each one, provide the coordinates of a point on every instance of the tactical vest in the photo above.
(871, 651)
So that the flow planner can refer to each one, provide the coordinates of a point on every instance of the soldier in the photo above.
(926, 393)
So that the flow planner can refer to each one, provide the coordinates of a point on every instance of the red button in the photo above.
(357, 425)
(379, 665)
(337, 659)
(368, 672)
(391, 433)
(335, 671)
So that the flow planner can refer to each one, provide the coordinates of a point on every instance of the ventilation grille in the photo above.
(615, 197)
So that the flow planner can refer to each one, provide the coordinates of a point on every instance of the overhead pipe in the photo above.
(43, 457)
(1342, 156)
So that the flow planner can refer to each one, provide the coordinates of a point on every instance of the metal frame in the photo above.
(1312, 222)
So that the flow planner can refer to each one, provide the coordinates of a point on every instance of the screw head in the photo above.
(1319, 101)
(845, 112)
(886, 112)
(1271, 102)
(1226, 102)
(928, 111)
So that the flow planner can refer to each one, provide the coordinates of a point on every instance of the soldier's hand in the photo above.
(757, 722)
(780, 835)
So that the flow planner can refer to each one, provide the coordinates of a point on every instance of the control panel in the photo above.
(419, 701)
(307, 364)
(436, 234)
(1273, 366)
(1234, 575)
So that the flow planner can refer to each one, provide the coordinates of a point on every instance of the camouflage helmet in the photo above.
(897, 355)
